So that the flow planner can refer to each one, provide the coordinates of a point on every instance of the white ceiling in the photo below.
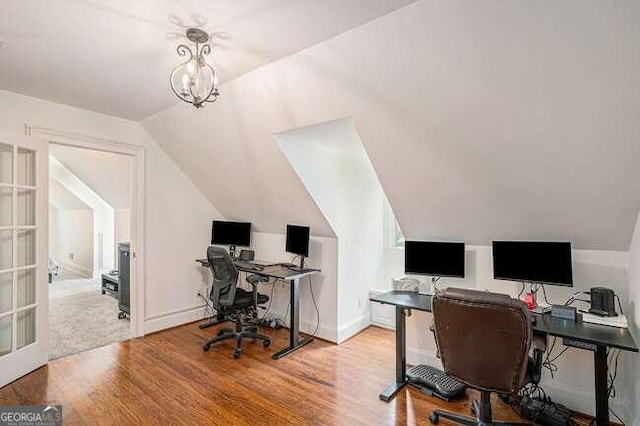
(109, 175)
(62, 199)
(483, 120)
(115, 56)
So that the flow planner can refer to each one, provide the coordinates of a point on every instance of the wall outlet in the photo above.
(359, 302)
(71, 256)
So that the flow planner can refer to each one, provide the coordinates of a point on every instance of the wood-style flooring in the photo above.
(166, 378)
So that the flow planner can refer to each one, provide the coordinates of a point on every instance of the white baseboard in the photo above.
(172, 319)
(76, 269)
(383, 322)
(353, 327)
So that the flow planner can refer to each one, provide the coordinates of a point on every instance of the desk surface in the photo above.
(603, 335)
(271, 270)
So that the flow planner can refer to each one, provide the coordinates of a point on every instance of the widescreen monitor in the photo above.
(438, 259)
(226, 233)
(533, 261)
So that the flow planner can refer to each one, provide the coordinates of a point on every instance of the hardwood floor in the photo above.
(166, 378)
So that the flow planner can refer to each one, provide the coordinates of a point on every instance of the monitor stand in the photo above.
(301, 262)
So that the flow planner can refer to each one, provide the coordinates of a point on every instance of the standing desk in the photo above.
(600, 336)
(293, 277)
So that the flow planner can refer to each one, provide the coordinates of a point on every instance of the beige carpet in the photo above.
(81, 318)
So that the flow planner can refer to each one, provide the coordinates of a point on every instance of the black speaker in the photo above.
(247, 254)
(602, 302)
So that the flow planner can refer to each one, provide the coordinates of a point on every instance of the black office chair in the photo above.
(238, 304)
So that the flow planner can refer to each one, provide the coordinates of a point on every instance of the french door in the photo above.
(24, 337)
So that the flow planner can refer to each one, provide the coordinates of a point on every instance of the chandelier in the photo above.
(195, 81)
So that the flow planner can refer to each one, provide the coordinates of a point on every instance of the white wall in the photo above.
(633, 315)
(573, 384)
(103, 232)
(71, 239)
(333, 165)
(178, 217)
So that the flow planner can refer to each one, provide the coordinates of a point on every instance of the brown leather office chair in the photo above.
(484, 340)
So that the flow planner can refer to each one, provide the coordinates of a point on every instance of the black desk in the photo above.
(601, 336)
(292, 276)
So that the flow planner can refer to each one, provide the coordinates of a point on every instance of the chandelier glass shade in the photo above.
(195, 81)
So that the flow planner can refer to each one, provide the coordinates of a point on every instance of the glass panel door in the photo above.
(23, 257)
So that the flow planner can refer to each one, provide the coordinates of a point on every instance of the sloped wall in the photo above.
(482, 119)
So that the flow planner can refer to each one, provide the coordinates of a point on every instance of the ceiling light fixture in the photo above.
(195, 81)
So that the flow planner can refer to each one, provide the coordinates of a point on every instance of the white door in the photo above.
(24, 334)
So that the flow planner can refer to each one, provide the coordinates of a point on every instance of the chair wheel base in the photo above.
(237, 353)
(434, 418)
(206, 347)
(266, 343)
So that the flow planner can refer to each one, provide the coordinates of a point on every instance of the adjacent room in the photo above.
(89, 229)
(361, 212)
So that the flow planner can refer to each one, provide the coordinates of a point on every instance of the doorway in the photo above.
(89, 240)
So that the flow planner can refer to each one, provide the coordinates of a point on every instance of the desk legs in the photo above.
(294, 328)
(602, 396)
(401, 357)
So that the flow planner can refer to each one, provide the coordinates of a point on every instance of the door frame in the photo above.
(138, 204)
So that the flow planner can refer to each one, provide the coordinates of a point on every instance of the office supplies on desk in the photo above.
(564, 312)
(619, 321)
(247, 254)
(406, 284)
(602, 302)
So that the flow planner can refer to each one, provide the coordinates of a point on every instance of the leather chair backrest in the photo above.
(483, 338)
(225, 277)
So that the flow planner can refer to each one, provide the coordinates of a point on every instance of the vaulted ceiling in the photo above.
(107, 174)
(483, 120)
(115, 56)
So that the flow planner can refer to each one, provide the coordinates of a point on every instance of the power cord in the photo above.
(315, 306)
(521, 290)
(549, 362)
(544, 294)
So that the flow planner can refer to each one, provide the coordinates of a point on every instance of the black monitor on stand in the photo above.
(232, 234)
(298, 241)
(434, 258)
(534, 262)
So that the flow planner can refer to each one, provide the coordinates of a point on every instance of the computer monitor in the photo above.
(438, 259)
(232, 234)
(533, 262)
(298, 241)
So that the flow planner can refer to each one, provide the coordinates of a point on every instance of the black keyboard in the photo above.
(301, 271)
(436, 382)
(248, 265)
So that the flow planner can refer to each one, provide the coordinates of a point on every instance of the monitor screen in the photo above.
(231, 233)
(434, 258)
(536, 262)
(298, 240)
